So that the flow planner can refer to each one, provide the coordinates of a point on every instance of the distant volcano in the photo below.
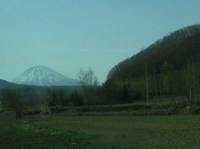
(44, 76)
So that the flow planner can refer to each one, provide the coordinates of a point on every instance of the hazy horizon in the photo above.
(68, 35)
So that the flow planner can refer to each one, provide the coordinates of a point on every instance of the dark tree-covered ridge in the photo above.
(177, 49)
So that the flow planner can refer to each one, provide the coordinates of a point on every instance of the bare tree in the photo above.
(87, 78)
(89, 84)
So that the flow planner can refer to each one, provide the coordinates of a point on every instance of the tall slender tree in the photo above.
(89, 84)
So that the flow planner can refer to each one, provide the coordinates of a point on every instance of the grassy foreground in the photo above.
(20, 134)
(62, 131)
(129, 132)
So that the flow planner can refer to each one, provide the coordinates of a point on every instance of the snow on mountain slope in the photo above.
(44, 76)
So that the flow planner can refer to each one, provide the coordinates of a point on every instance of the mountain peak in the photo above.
(44, 76)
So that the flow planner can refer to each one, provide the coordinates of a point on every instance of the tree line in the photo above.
(169, 68)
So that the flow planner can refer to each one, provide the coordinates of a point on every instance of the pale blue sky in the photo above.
(67, 35)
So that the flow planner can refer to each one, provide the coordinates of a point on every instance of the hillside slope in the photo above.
(4, 84)
(168, 68)
(177, 49)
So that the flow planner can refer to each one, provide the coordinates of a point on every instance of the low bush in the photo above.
(57, 109)
(194, 109)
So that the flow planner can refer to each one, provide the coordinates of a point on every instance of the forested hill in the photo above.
(177, 49)
(168, 68)
(4, 84)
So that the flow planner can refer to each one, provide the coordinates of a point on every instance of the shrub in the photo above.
(194, 109)
(57, 109)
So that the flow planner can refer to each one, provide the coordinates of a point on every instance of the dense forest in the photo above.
(169, 67)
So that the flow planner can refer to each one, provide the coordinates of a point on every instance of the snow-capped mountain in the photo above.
(44, 76)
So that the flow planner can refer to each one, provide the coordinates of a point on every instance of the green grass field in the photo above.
(20, 134)
(129, 132)
(64, 131)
